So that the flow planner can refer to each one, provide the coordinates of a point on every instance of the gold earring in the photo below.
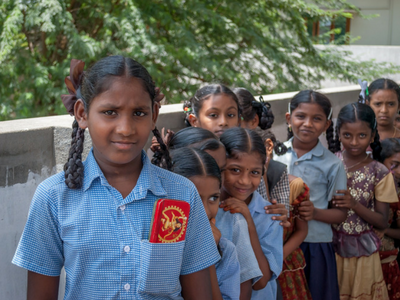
(290, 128)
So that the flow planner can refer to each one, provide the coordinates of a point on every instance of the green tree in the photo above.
(259, 44)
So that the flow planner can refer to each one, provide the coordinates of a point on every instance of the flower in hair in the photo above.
(73, 81)
(187, 109)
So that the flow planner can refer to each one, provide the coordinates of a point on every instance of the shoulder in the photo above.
(379, 169)
(53, 185)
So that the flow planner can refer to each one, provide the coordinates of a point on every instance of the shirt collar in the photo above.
(257, 203)
(148, 179)
(318, 150)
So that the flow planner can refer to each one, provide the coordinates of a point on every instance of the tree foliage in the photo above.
(259, 44)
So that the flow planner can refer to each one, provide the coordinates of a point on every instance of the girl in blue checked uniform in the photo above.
(245, 164)
(310, 114)
(93, 219)
(202, 169)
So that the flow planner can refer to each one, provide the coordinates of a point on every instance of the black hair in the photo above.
(250, 107)
(190, 162)
(310, 96)
(390, 147)
(194, 104)
(193, 137)
(384, 84)
(97, 80)
(354, 112)
(279, 147)
(239, 140)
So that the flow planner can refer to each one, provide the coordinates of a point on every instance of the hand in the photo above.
(278, 209)
(159, 96)
(235, 206)
(306, 210)
(345, 200)
(215, 231)
(380, 232)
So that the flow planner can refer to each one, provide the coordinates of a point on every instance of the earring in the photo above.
(290, 128)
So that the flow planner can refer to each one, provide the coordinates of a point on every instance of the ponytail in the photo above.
(161, 156)
(73, 169)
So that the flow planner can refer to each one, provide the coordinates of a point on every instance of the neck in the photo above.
(354, 158)
(386, 131)
(302, 148)
(385, 128)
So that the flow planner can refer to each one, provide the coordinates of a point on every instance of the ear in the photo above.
(254, 123)
(193, 120)
(156, 112)
(328, 123)
(269, 147)
(372, 137)
(80, 114)
(288, 118)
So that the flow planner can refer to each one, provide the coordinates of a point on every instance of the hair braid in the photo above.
(331, 138)
(74, 167)
(337, 141)
(161, 156)
(376, 147)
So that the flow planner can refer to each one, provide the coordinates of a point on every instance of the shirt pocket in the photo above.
(160, 267)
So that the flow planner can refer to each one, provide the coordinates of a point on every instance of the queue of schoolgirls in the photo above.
(264, 220)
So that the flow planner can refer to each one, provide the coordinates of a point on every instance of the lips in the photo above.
(219, 132)
(123, 145)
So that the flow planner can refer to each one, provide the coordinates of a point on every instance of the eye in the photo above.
(317, 118)
(346, 135)
(231, 115)
(300, 116)
(235, 170)
(214, 198)
(109, 112)
(255, 172)
(139, 114)
(362, 135)
(213, 115)
(391, 103)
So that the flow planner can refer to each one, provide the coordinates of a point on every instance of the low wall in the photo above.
(33, 149)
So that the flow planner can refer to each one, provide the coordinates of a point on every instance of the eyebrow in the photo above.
(227, 108)
(113, 106)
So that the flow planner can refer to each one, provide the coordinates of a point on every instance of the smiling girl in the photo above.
(94, 218)
(384, 99)
(308, 117)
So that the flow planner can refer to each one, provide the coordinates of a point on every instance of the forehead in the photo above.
(394, 157)
(220, 102)
(384, 96)
(249, 160)
(206, 184)
(355, 126)
(123, 91)
(310, 108)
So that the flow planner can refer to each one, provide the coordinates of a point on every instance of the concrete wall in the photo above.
(382, 30)
(33, 149)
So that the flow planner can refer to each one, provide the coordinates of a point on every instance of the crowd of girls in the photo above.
(267, 220)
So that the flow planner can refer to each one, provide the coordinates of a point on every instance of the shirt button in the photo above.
(296, 163)
(127, 249)
(122, 207)
(127, 287)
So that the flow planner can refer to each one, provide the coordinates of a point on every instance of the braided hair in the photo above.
(251, 108)
(194, 104)
(97, 80)
(279, 147)
(310, 96)
(354, 112)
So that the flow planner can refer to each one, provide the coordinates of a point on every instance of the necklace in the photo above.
(348, 168)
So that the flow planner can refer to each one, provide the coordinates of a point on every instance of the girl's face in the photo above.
(209, 191)
(385, 106)
(356, 137)
(119, 121)
(217, 114)
(242, 175)
(308, 121)
(393, 164)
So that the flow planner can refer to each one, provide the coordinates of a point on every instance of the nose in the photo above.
(244, 179)
(308, 122)
(384, 108)
(223, 121)
(125, 126)
(353, 141)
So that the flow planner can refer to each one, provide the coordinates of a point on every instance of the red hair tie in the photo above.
(73, 81)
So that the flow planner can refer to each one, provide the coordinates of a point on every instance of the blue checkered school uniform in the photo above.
(228, 271)
(270, 234)
(234, 228)
(101, 239)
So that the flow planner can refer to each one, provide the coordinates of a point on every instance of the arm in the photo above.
(245, 290)
(216, 293)
(331, 215)
(197, 285)
(296, 238)
(394, 233)
(42, 287)
(377, 218)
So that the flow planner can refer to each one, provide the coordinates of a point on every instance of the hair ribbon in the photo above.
(73, 81)
(364, 91)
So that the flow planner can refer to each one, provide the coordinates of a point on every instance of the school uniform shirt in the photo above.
(101, 239)
(270, 234)
(324, 173)
(228, 271)
(234, 228)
